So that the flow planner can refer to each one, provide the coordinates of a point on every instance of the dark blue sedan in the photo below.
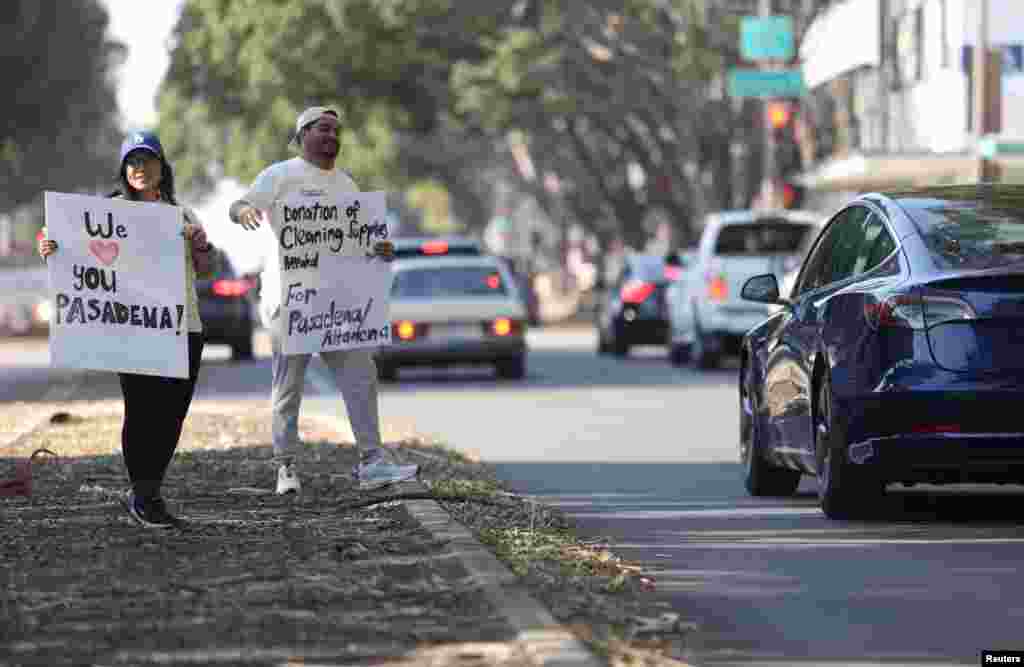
(899, 355)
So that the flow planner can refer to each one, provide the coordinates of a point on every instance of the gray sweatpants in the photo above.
(355, 373)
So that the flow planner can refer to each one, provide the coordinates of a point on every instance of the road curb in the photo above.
(538, 633)
(542, 637)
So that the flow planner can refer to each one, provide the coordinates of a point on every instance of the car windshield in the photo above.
(971, 234)
(765, 237)
(448, 281)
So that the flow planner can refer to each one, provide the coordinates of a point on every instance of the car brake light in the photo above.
(718, 289)
(636, 291)
(434, 247)
(504, 326)
(406, 330)
(914, 311)
(231, 288)
(936, 428)
(494, 281)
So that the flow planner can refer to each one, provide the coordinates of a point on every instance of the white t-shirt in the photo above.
(274, 183)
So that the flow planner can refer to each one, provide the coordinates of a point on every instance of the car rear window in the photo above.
(449, 281)
(766, 237)
(968, 234)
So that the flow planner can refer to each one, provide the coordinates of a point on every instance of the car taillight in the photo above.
(408, 330)
(936, 428)
(915, 311)
(718, 288)
(434, 248)
(636, 291)
(231, 288)
(493, 281)
(504, 326)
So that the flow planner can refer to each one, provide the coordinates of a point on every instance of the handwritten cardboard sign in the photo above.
(117, 285)
(334, 294)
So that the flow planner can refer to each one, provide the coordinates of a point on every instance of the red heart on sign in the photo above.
(105, 251)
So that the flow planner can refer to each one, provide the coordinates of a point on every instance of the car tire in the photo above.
(702, 353)
(760, 477)
(845, 490)
(679, 354)
(511, 369)
(387, 372)
(241, 349)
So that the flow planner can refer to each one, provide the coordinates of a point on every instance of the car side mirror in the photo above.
(762, 289)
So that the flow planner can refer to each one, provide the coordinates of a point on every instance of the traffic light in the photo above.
(779, 115)
(792, 195)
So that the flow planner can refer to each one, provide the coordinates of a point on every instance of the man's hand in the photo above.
(250, 217)
(385, 250)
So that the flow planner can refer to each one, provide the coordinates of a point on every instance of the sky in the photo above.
(144, 27)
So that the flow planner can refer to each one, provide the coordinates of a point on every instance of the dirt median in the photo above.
(258, 579)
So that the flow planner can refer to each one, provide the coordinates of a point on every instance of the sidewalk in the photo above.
(258, 579)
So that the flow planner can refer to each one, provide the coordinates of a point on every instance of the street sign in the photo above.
(766, 38)
(766, 83)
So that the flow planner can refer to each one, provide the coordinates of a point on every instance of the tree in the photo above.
(60, 130)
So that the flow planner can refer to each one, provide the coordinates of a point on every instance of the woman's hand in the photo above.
(385, 250)
(47, 247)
(197, 235)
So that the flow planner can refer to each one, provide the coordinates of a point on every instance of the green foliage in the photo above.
(60, 130)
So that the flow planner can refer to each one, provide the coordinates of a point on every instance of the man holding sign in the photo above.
(302, 239)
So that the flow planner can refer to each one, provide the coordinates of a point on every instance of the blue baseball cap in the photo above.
(144, 141)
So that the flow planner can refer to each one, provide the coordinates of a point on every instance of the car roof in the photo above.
(741, 216)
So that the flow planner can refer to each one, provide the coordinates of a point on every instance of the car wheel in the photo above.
(760, 477)
(511, 369)
(241, 349)
(845, 490)
(679, 354)
(703, 354)
(387, 372)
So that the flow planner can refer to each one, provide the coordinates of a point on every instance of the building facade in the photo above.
(892, 98)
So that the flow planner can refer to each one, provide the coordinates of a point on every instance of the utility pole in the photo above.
(985, 93)
(769, 196)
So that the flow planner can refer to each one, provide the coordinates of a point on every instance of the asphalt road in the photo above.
(644, 456)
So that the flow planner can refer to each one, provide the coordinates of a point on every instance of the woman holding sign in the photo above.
(155, 407)
(314, 171)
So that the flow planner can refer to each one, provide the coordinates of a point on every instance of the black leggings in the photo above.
(154, 412)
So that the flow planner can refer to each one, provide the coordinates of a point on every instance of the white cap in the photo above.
(311, 115)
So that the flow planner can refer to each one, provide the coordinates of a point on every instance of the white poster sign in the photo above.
(117, 285)
(334, 294)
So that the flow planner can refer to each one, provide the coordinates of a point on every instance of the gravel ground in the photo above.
(258, 580)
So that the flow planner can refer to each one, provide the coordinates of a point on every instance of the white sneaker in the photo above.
(379, 473)
(287, 480)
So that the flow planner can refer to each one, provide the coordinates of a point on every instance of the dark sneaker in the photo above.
(151, 513)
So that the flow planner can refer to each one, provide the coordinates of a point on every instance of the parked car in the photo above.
(898, 356)
(24, 299)
(707, 318)
(455, 310)
(227, 306)
(633, 310)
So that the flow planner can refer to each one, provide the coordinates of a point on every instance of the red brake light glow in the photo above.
(636, 291)
(494, 281)
(434, 248)
(502, 326)
(404, 330)
(231, 288)
(718, 289)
